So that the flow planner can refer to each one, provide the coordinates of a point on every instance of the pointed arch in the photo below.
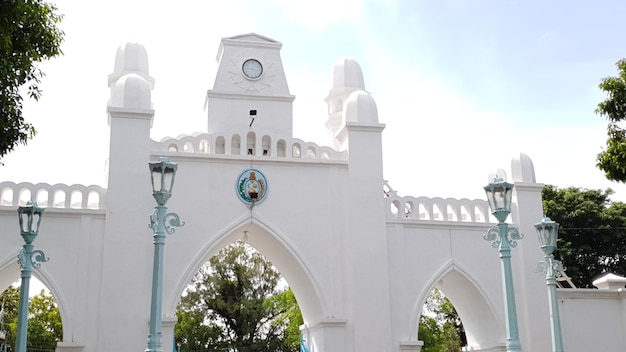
(483, 327)
(10, 273)
(275, 246)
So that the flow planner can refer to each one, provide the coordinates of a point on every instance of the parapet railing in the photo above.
(437, 209)
(52, 196)
(249, 144)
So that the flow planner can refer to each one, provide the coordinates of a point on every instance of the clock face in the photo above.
(252, 69)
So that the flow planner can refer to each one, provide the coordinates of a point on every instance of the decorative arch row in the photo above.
(438, 209)
(251, 144)
(53, 196)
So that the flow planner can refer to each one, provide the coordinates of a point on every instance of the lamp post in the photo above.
(162, 223)
(547, 231)
(504, 237)
(28, 258)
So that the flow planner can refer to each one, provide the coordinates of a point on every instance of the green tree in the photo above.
(592, 232)
(44, 323)
(440, 327)
(28, 35)
(234, 304)
(44, 320)
(11, 299)
(612, 161)
(290, 318)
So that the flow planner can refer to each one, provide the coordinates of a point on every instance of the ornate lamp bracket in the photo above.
(551, 267)
(170, 221)
(35, 257)
(495, 235)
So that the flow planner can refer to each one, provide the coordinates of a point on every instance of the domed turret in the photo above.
(522, 169)
(361, 107)
(132, 58)
(347, 78)
(347, 75)
(131, 85)
(131, 92)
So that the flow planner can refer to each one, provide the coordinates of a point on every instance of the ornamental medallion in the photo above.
(251, 186)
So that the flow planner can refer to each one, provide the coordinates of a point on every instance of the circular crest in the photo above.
(251, 186)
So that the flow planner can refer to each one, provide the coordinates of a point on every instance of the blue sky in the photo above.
(461, 85)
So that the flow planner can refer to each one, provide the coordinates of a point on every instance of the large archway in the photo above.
(483, 327)
(47, 312)
(276, 247)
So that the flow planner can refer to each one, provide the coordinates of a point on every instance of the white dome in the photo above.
(132, 58)
(361, 107)
(522, 169)
(133, 92)
(347, 74)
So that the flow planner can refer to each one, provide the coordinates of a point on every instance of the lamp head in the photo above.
(163, 173)
(547, 232)
(30, 219)
(499, 194)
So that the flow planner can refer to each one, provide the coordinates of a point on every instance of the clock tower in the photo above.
(250, 89)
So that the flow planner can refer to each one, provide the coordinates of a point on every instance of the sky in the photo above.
(462, 86)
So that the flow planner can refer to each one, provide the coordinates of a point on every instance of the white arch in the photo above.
(276, 247)
(10, 273)
(483, 327)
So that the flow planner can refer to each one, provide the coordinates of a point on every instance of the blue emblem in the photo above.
(251, 186)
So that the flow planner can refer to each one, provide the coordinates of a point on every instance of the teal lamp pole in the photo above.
(162, 223)
(28, 258)
(504, 237)
(547, 231)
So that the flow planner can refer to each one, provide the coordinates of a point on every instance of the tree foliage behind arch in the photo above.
(440, 326)
(235, 304)
(44, 322)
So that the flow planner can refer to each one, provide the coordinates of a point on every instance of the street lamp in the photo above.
(162, 223)
(547, 231)
(28, 258)
(503, 237)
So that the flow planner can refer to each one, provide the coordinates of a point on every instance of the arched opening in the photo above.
(188, 147)
(24, 196)
(93, 200)
(311, 153)
(394, 208)
(440, 326)
(451, 213)
(204, 146)
(266, 142)
(76, 199)
(58, 199)
(6, 196)
(238, 299)
(480, 324)
(465, 213)
(45, 327)
(424, 214)
(251, 143)
(235, 145)
(271, 244)
(220, 145)
(281, 147)
(42, 197)
(437, 212)
(295, 150)
(479, 214)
